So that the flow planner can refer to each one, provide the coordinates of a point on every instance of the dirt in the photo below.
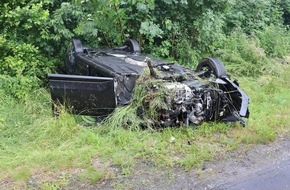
(238, 166)
(248, 162)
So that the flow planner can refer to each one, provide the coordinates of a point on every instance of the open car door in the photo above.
(85, 95)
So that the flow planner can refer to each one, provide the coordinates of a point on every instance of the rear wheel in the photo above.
(69, 61)
(75, 48)
(132, 46)
(211, 66)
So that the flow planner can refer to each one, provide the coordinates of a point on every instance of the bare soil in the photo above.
(222, 173)
(247, 162)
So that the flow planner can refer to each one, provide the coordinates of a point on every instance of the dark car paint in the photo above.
(102, 79)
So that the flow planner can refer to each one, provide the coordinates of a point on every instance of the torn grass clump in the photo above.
(149, 99)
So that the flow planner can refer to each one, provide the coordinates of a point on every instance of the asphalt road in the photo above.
(260, 167)
(272, 178)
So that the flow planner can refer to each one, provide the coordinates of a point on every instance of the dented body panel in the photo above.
(99, 80)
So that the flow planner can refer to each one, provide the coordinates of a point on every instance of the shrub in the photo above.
(186, 55)
(243, 55)
(19, 86)
(275, 40)
(22, 67)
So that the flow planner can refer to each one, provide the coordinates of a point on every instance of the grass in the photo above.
(33, 142)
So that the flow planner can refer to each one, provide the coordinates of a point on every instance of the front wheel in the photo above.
(211, 66)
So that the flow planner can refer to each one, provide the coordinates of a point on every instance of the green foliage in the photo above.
(248, 54)
(275, 41)
(199, 28)
(111, 22)
(21, 67)
(210, 31)
(59, 27)
(179, 29)
(92, 175)
(46, 24)
(162, 50)
(243, 55)
(252, 15)
(22, 59)
(32, 141)
(150, 30)
(23, 20)
(19, 86)
(34, 34)
(32, 37)
(186, 55)
(285, 6)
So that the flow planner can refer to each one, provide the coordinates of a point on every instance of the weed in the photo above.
(275, 40)
(22, 174)
(242, 55)
(92, 175)
(55, 184)
(196, 156)
(32, 138)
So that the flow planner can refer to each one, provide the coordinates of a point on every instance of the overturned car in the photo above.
(101, 79)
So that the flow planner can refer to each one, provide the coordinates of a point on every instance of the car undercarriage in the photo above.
(98, 80)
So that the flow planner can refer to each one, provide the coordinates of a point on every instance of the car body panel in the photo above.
(84, 95)
(104, 78)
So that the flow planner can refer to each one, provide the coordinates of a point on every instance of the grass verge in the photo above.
(34, 143)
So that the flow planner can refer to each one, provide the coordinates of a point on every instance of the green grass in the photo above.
(33, 142)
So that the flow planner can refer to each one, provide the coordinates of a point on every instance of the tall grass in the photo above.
(251, 55)
(242, 55)
(275, 40)
(33, 142)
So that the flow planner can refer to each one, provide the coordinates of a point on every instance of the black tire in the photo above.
(78, 46)
(69, 61)
(132, 46)
(68, 65)
(75, 48)
(211, 66)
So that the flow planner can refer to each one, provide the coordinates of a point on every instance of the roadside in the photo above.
(225, 173)
(39, 152)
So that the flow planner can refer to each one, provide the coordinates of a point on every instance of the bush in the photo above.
(22, 67)
(186, 55)
(275, 40)
(19, 86)
(243, 55)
